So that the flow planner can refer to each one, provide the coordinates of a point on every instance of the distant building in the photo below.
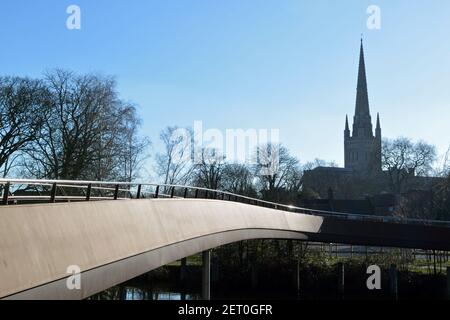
(362, 175)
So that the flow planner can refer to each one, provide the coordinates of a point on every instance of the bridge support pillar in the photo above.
(393, 276)
(448, 283)
(341, 283)
(183, 270)
(206, 275)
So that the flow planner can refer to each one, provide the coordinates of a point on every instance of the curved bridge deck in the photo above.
(114, 241)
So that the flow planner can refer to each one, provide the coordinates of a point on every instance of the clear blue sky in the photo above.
(286, 64)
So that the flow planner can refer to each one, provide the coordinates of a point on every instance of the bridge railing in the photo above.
(21, 191)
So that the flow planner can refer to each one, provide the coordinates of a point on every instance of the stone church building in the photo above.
(362, 175)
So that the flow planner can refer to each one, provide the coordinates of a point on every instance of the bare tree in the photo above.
(443, 168)
(173, 165)
(277, 172)
(86, 130)
(404, 159)
(71, 128)
(446, 164)
(208, 171)
(108, 149)
(22, 105)
(134, 149)
(238, 178)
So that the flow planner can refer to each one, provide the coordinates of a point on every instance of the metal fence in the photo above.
(22, 191)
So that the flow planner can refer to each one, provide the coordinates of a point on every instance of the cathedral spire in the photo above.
(362, 149)
(362, 123)
(362, 99)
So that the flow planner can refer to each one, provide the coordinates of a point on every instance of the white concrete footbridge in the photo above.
(117, 231)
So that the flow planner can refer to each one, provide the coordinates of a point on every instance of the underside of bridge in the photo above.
(114, 241)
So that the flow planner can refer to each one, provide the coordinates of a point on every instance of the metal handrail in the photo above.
(126, 187)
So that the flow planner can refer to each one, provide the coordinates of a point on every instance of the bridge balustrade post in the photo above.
(88, 192)
(139, 190)
(157, 192)
(206, 275)
(53, 193)
(116, 192)
(6, 193)
(393, 276)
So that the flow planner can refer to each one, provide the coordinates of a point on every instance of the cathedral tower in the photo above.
(362, 148)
